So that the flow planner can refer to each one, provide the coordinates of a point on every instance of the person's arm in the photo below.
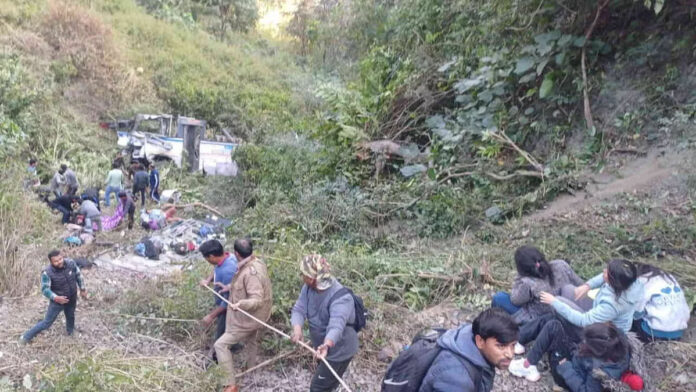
(203, 282)
(78, 277)
(572, 276)
(339, 314)
(603, 312)
(596, 282)
(108, 178)
(46, 286)
(254, 289)
(299, 310)
(577, 380)
(521, 293)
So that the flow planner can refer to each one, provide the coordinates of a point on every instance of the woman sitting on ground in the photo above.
(663, 313)
(534, 275)
(616, 301)
(603, 347)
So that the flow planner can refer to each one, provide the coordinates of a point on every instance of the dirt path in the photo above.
(644, 173)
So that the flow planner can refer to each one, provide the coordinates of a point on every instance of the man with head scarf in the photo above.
(329, 317)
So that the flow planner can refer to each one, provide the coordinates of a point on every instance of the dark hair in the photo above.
(650, 271)
(531, 262)
(495, 323)
(64, 167)
(211, 248)
(122, 194)
(605, 342)
(114, 165)
(53, 253)
(622, 273)
(32, 161)
(244, 247)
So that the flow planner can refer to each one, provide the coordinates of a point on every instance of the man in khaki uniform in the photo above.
(250, 291)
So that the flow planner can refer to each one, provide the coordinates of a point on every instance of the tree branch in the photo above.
(583, 63)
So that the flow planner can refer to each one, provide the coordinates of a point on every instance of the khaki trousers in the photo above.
(224, 355)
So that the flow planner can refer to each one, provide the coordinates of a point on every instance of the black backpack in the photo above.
(361, 312)
(407, 371)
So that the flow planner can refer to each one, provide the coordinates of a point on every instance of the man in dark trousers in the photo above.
(328, 319)
(65, 205)
(154, 183)
(140, 183)
(128, 207)
(471, 353)
(224, 268)
(59, 283)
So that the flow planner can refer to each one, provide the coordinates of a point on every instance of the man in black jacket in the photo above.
(65, 204)
(59, 283)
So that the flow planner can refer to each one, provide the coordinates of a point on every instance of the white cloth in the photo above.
(664, 304)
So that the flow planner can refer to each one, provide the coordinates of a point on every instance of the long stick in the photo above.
(279, 332)
(266, 363)
(583, 65)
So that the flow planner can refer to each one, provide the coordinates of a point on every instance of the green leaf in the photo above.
(541, 66)
(546, 87)
(545, 38)
(559, 58)
(523, 65)
(579, 42)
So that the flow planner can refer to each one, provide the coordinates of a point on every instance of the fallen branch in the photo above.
(151, 318)
(283, 334)
(505, 139)
(518, 173)
(267, 362)
(583, 64)
(196, 204)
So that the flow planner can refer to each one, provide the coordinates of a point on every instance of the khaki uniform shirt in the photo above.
(251, 289)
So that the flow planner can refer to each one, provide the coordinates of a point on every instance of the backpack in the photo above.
(407, 371)
(361, 312)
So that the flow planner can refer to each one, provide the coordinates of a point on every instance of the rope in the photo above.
(281, 333)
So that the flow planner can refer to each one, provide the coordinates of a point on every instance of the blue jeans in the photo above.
(107, 194)
(53, 311)
(502, 300)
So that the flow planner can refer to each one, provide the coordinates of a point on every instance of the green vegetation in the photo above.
(399, 139)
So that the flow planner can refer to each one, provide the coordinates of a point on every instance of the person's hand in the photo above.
(204, 282)
(223, 287)
(296, 336)
(234, 306)
(562, 361)
(207, 321)
(61, 299)
(581, 291)
(546, 298)
(323, 349)
(83, 294)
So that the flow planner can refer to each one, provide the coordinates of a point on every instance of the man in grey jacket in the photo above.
(71, 183)
(470, 354)
(91, 213)
(329, 321)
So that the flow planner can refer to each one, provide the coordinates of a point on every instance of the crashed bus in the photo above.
(181, 140)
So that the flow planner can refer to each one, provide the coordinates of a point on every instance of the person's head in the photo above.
(75, 199)
(649, 271)
(56, 258)
(63, 168)
(243, 248)
(212, 252)
(495, 334)
(114, 165)
(152, 166)
(603, 341)
(620, 274)
(32, 162)
(316, 272)
(532, 263)
(122, 195)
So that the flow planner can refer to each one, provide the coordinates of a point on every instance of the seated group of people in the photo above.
(583, 325)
